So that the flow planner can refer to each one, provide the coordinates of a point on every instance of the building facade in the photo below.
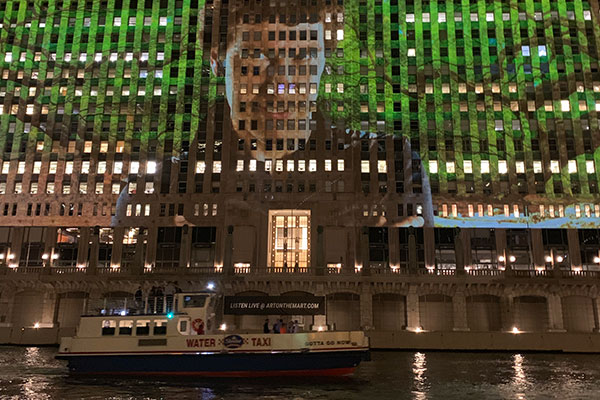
(426, 165)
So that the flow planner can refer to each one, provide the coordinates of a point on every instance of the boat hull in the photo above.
(326, 363)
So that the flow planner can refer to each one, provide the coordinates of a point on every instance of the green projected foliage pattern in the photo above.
(498, 100)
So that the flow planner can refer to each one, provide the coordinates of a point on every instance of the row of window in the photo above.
(491, 17)
(517, 211)
(537, 166)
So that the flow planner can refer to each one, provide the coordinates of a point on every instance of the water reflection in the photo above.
(519, 379)
(419, 379)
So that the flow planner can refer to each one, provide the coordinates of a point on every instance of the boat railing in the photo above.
(122, 306)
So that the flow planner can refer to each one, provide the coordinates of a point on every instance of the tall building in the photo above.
(423, 164)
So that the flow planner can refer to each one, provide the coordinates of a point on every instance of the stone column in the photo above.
(459, 251)
(227, 256)
(151, 238)
(319, 266)
(7, 304)
(49, 308)
(459, 308)
(413, 319)
(364, 250)
(574, 248)
(412, 251)
(501, 249)
(429, 243)
(117, 246)
(537, 248)
(507, 313)
(465, 237)
(366, 308)
(16, 245)
(555, 316)
(596, 311)
(186, 247)
(394, 246)
(94, 247)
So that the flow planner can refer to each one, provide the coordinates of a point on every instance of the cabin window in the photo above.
(194, 301)
(142, 327)
(183, 326)
(125, 327)
(160, 327)
(108, 327)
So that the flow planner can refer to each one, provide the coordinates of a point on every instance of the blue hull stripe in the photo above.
(215, 363)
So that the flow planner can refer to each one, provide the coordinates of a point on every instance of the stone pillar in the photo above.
(507, 313)
(596, 311)
(320, 256)
(429, 243)
(394, 246)
(7, 303)
(117, 246)
(94, 247)
(50, 244)
(16, 244)
(465, 236)
(262, 242)
(151, 238)
(574, 248)
(186, 247)
(501, 249)
(413, 319)
(364, 250)
(555, 316)
(412, 251)
(459, 251)
(366, 308)
(49, 308)
(227, 256)
(537, 248)
(459, 308)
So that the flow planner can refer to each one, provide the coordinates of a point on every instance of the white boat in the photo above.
(186, 341)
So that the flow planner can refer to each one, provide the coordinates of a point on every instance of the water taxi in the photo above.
(187, 341)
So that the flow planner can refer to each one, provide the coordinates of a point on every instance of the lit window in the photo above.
(410, 17)
(149, 189)
(525, 51)
(290, 165)
(537, 167)
(572, 166)
(554, 166)
(468, 166)
(134, 167)
(441, 17)
(239, 166)
(252, 165)
(115, 188)
(489, 17)
(340, 165)
(520, 167)
(565, 106)
(450, 167)
(37, 167)
(83, 188)
(50, 187)
(589, 167)
(340, 34)
(87, 146)
(132, 188)
(502, 167)
(268, 165)
(364, 166)
(327, 165)
(99, 187)
(118, 167)
(412, 52)
(301, 165)
(216, 167)
(542, 52)
(327, 34)
(485, 166)
(433, 166)
(382, 166)
(85, 167)
(200, 167)
(163, 21)
(279, 165)
(21, 167)
(151, 167)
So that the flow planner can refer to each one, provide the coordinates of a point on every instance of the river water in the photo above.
(33, 373)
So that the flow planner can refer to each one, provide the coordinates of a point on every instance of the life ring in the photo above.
(198, 326)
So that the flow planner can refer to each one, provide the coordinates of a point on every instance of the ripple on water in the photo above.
(33, 373)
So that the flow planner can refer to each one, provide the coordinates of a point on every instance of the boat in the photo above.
(187, 342)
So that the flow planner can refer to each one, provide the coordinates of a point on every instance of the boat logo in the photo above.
(233, 341)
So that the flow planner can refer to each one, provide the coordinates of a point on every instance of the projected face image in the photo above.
(272, 75)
